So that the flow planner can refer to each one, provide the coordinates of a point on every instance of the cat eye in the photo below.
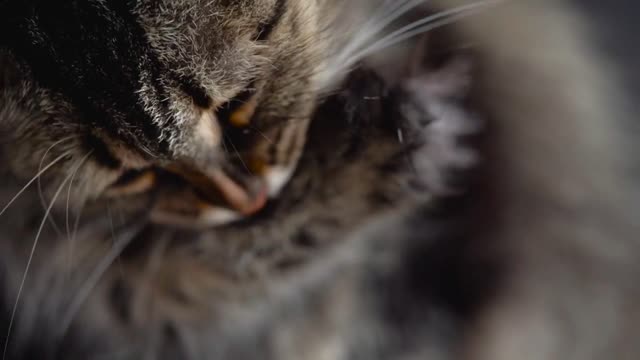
(238, 111)
(132, 182)
(241, 117)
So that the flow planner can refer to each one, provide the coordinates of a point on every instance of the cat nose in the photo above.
(220, 187)
(207, 174)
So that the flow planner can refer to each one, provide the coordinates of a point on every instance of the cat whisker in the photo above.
(420, 27)
(369, 31)
(224, 145)
(238, 154)
(262, 134)
(36, 177)
(113, 234)
(359, 49)
(67, 225)
(43, 201)
(30, 259)
(144, 292)
(377, 24)
(85, 289)
(76, 227)
(68, 228)
(147, 151)
(371, 27)
(51, 148)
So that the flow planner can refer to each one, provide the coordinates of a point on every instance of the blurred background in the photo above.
(618, 29)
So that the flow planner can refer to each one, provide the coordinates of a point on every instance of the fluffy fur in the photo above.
(369, 253)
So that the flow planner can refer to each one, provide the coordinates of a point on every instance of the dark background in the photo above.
(618, 27)
(618, 24)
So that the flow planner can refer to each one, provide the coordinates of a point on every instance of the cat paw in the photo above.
(438, 120)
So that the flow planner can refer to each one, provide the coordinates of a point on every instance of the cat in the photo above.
(107, 155)
(274, 245)
(130, 86)
(366, 246)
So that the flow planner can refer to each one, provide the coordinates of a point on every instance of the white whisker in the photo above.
(367, 34)
(420, 27)
(238, 154)
(68, 228)
(364, 43)
(51, 164)
(380, 20)
(43, 201)
(76, 226)
(26, 271)
(423, 25)
(263, 135)
(113, 233)
(93, 279)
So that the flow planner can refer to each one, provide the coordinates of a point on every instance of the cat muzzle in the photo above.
(189, 196)
(245, 195)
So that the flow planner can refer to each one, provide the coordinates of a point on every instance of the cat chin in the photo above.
(212, 217)
(217, 216)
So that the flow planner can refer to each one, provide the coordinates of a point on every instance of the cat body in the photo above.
(367, 252)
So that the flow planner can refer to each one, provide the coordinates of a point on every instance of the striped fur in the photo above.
(365, 255)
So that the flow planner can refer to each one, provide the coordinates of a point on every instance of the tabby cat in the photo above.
(303, 179)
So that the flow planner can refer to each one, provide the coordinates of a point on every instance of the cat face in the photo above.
(203, 99)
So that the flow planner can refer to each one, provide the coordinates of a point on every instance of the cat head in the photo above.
(117, 97)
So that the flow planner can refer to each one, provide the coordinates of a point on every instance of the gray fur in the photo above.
(367, 253)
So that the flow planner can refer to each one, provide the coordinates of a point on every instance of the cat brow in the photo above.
(265, 29)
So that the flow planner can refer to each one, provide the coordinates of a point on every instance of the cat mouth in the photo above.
(245, 195)
(188, 196)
